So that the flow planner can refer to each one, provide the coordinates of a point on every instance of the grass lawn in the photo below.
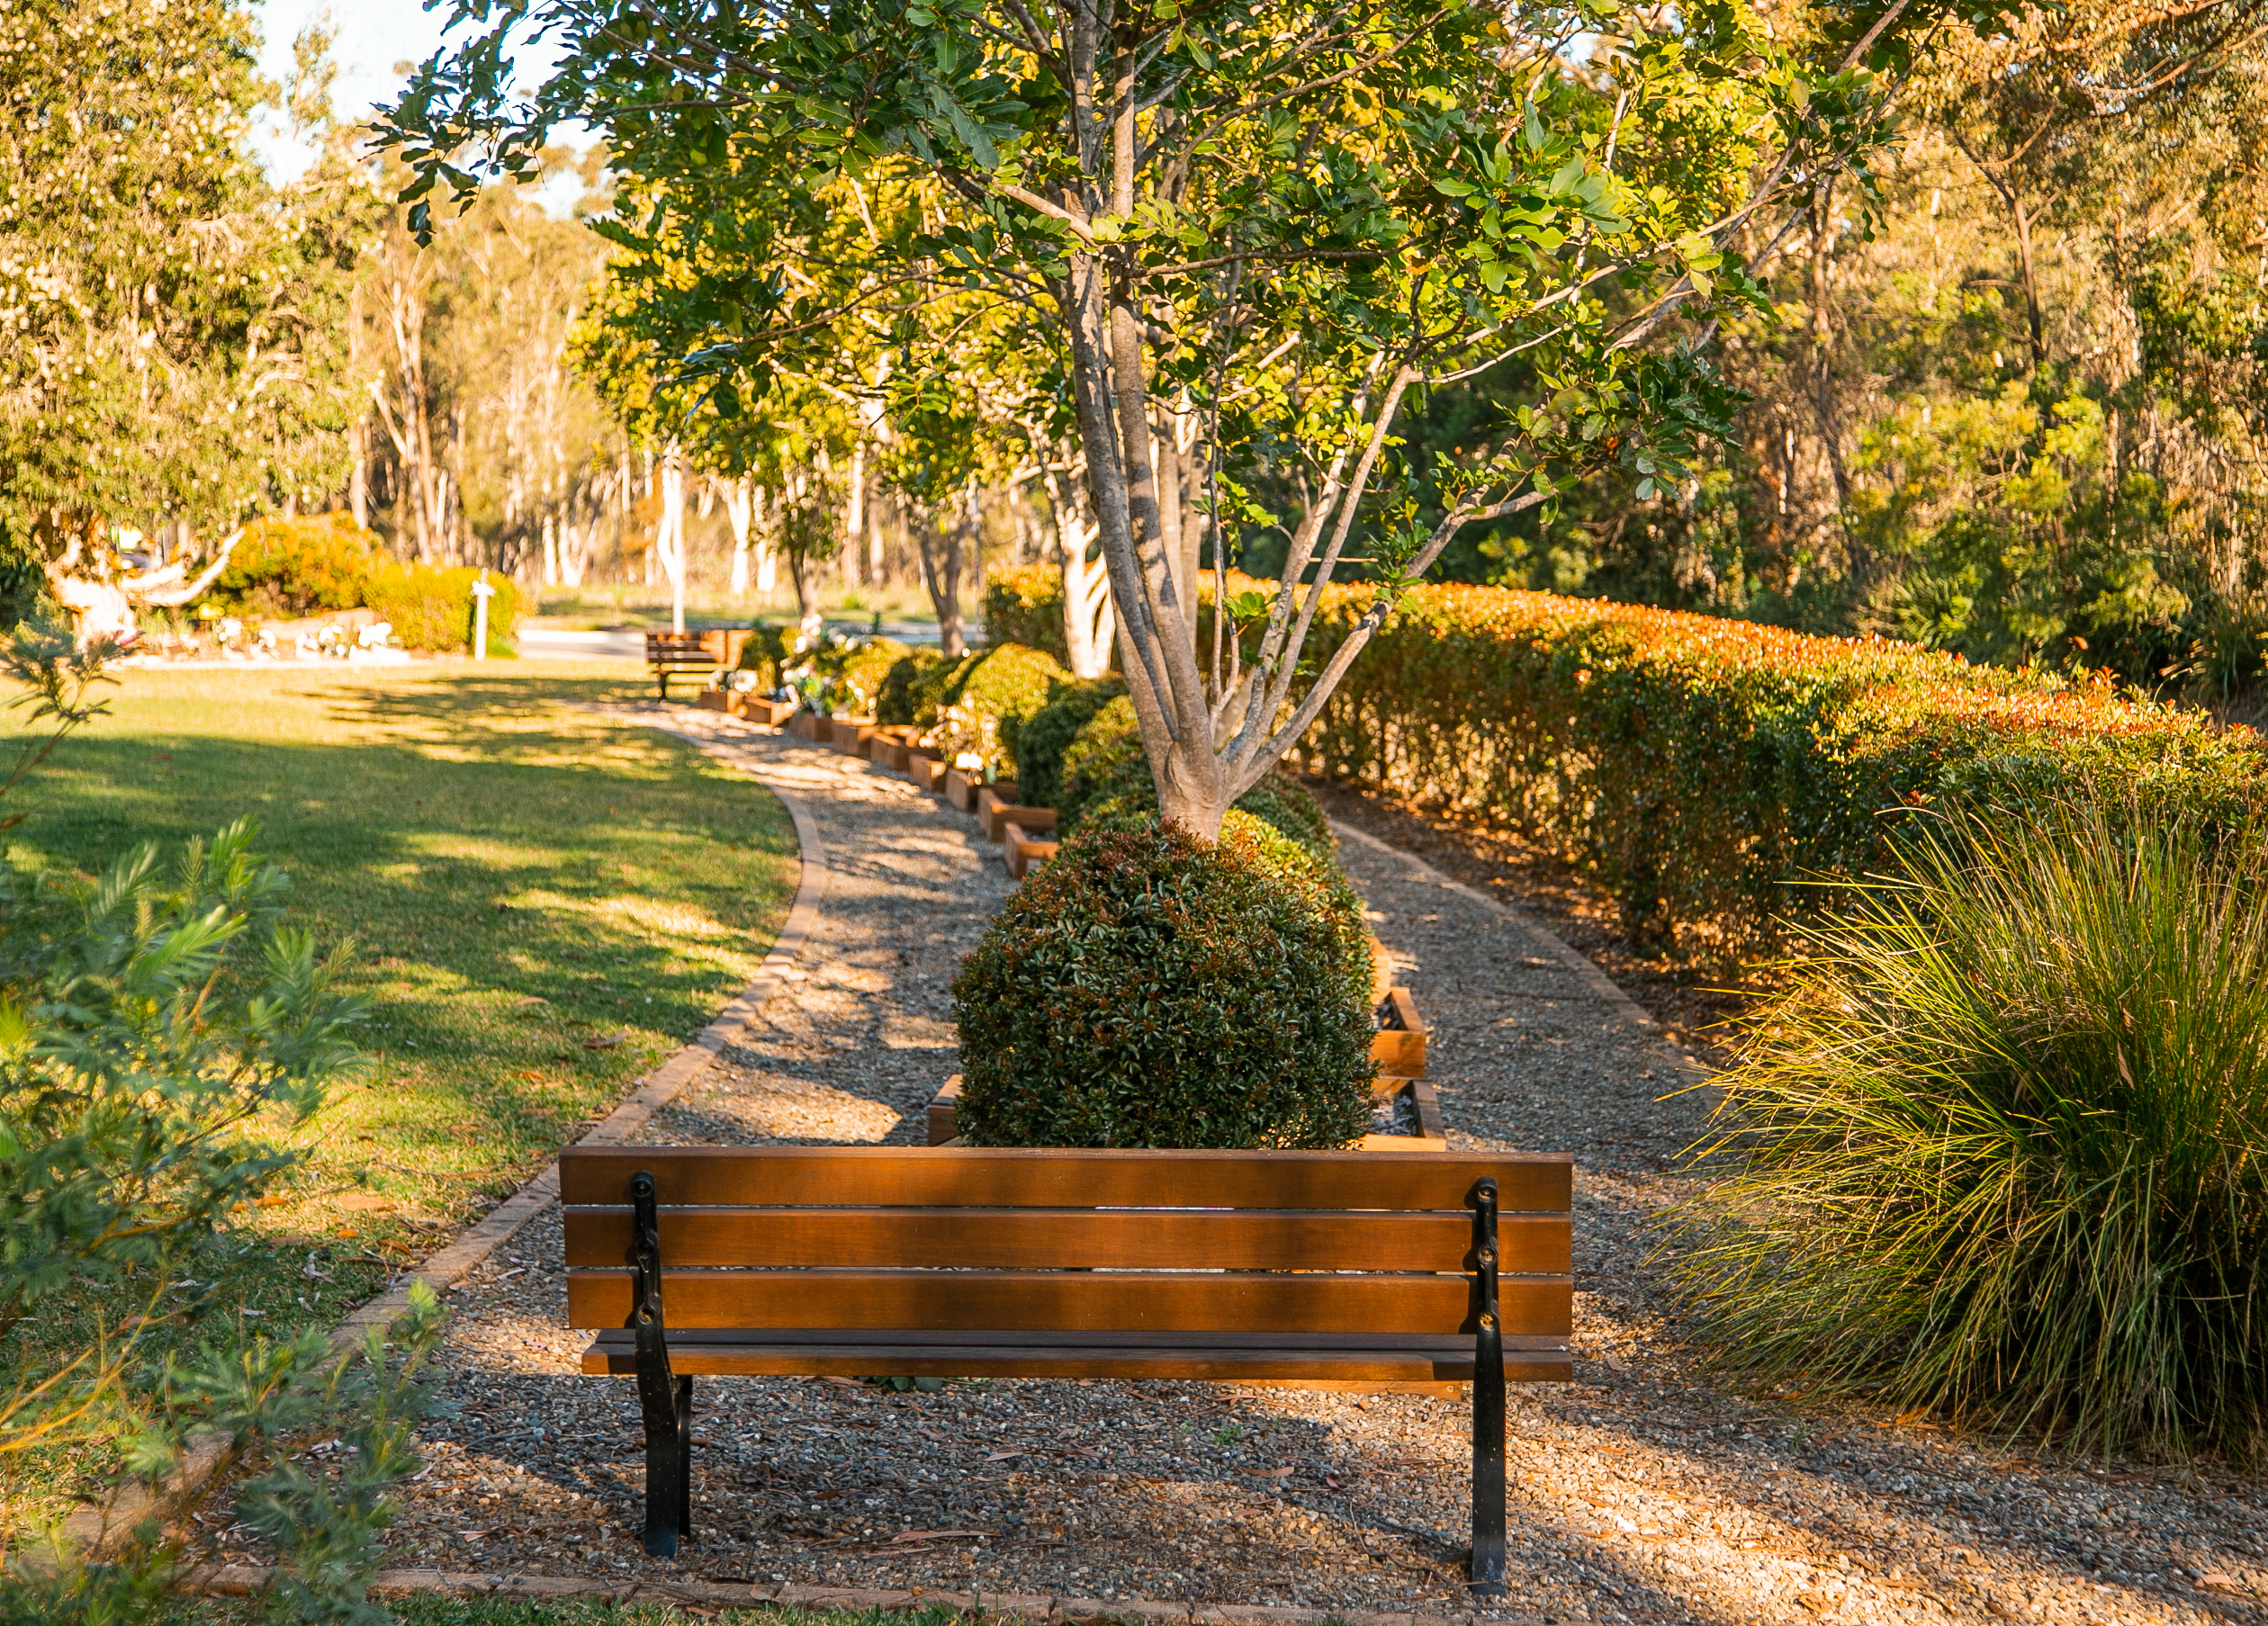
(542, 904)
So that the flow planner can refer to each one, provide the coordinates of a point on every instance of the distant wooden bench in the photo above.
(682, 654)
(1345, 1270)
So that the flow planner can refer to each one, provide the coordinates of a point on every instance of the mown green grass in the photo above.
(541, 904)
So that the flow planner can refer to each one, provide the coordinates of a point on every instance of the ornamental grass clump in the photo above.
(1148, 989)
(2002, 1150)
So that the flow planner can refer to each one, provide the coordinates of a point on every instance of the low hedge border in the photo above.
(1712, 773)
(1714, 776)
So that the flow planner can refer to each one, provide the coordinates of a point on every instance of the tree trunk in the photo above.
(669, 537)
(1089, 623)
(940, 574)
(738, 509)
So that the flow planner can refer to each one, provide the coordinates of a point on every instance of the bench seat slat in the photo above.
(1249, 1239)
(1046, 1178)
(1013, 1359)
(1072, 1300)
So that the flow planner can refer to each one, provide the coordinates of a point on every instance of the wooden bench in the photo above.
(682, 654)
(1344, 1269)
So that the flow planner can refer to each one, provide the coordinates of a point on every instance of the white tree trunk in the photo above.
(669, 535)
(766, 548)
(739, 508)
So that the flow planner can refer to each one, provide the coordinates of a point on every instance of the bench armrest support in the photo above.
(1486, 1574)
(665, 1399)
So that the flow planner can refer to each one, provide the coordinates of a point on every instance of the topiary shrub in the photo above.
(298, 567)
(1025, 605)
(898, 700)
(765, 653)
(432, 609)
(1146, 989)
(1104, 766)
(861, 670)
(989, 695)
(1039, 741)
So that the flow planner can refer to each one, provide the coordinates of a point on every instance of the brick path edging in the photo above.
(92, 1531)
(238, 1580)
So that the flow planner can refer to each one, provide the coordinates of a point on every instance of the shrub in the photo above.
(988, 696)
(898, 700)
(1106, 775)
(298, 567)
(861, 670)
(2002, 1150)
(1708, 771)
(1038, 742)
(432, 609)
(1146, 989)
(765, 653)
(1025, 605)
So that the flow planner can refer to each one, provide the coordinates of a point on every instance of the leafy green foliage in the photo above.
(2002, 1151)
(905, 687)
(1025, 605)
(863, 668)
(298, 567)
(1040, 740)
(432, 609)
(1709, 772)
(173, 323)
(989, 694)
(1104, 778)
(1146, 989)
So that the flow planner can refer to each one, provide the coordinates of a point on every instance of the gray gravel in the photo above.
(1643, 1491)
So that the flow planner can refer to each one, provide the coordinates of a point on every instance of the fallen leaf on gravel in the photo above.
(1003, 1456)
(2213, 1578)
(1334, 1483)
(934, 1535)
(1271, 1473)
(605, 1044)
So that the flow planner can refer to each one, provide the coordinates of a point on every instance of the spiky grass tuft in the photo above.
(2001, 1152)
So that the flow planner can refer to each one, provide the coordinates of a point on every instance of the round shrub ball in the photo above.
(1146, 989)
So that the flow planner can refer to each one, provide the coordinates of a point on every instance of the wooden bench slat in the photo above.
(694, 1356)
(1450, 1344)
(1247, 1239)
(1070, 1301)
(1039, 1178)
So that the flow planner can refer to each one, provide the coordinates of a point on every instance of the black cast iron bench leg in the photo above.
(1486, 1574)
(665, 1399)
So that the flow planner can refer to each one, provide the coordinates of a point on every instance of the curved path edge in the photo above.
(242, 1580)
(90, 1531)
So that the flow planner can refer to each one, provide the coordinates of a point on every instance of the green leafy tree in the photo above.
(1260, 229)
(170, 324)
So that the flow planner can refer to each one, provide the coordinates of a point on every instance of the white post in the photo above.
(482, 593)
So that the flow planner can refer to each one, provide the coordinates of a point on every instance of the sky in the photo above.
(375, 36)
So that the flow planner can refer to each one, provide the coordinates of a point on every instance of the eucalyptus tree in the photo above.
(1260, 230)
(169, 321)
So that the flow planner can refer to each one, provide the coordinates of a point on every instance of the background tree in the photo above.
(170, 324)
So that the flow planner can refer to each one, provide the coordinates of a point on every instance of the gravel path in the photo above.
(1643, 1491)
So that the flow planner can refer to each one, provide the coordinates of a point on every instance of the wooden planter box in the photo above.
(808, 724)
(731, 701)
(924, 770)
(888, 744)
(1025, 851)
(997, 807)
(772, 714)
(945, 1106)
(961, 787)
(1400, 1048)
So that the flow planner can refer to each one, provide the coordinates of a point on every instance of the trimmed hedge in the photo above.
(1025, 605)
(862, 670)
(1105, 781)
(432, 609)
(1146, 989)
(289, 567)
(1039, 741)
(978, 702)
(1710, 772)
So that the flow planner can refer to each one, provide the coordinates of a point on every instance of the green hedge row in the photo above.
(1711, 772)
(320, 562)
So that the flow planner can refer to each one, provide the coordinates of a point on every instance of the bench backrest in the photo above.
(950, 1239)
(721, 646)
